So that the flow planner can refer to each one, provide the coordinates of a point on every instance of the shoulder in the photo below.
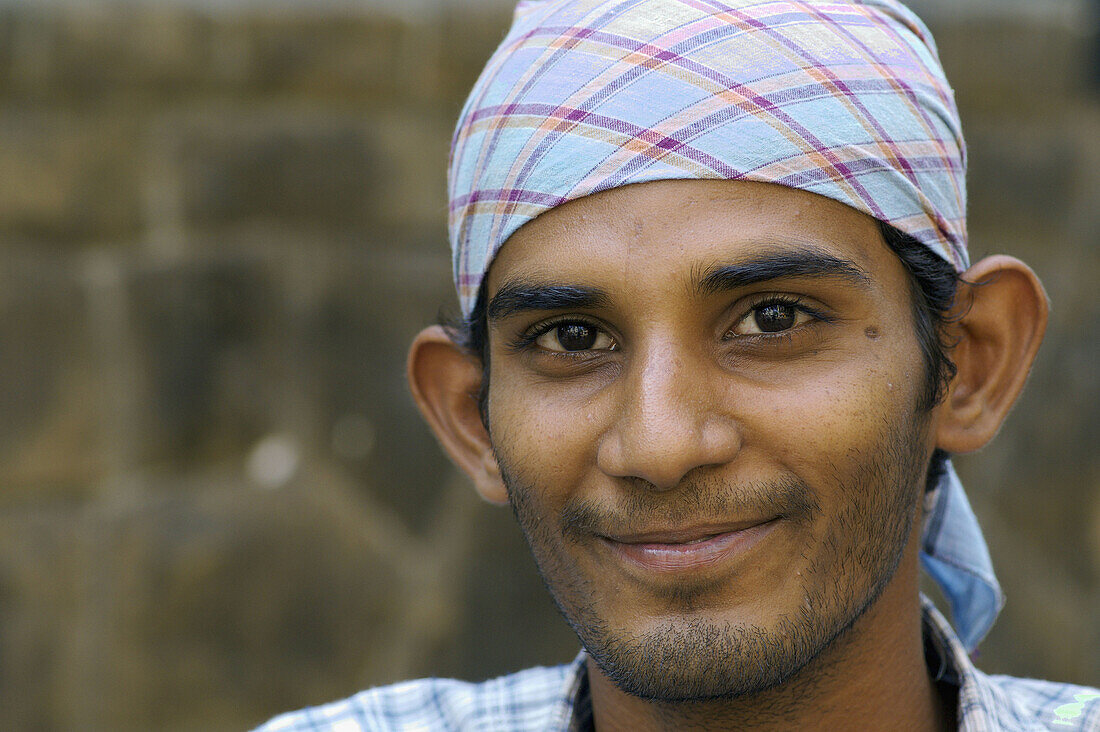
(1049, 704)
(529, 700)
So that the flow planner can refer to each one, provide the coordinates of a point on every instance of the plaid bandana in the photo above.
(843, 99)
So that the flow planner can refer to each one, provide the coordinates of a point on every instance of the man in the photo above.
(720, 337)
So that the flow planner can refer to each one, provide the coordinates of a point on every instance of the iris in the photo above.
(576, 336)
(775, 317)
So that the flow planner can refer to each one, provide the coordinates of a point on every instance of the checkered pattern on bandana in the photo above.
(842, 99)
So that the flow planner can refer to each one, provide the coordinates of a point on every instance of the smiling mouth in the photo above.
(689, 549)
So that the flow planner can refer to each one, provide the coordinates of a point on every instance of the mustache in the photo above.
(697, 502)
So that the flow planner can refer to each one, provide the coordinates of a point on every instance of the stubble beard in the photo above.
(693, 658)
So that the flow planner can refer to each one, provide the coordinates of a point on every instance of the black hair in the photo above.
(933, 283)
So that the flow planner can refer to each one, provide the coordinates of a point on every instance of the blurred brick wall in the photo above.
(1029, 93)
(219, 233)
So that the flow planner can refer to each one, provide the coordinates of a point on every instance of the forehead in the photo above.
(679, 228)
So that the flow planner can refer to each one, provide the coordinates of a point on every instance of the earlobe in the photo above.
(445, 380)
(1002, 315)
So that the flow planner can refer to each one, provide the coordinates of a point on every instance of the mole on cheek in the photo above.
(871, 332)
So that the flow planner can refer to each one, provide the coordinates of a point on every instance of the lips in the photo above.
(688, 549)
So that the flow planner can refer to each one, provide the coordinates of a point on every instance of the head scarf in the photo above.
(843, 99)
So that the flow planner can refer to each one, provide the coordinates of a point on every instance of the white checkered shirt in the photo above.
(557, 700)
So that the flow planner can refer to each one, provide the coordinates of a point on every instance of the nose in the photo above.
(671, 420)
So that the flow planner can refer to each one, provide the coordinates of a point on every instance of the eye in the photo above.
(572, 335)
(771, 317)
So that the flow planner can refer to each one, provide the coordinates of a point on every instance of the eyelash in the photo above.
(527, 338)
(791, 301)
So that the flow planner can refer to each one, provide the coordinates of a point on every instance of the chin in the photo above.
(700, 658)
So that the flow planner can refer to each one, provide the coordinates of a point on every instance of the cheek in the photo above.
(547, 435)
(833, 413)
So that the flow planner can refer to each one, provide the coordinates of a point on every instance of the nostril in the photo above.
(660, 457)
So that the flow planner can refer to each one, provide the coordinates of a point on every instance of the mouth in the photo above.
(688, 549)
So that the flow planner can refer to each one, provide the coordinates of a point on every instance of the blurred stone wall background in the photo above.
(221, 225)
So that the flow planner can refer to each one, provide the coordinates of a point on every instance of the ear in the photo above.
(445, 381)
(1003, 315)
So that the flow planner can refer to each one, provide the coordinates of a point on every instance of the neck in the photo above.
(873, 676)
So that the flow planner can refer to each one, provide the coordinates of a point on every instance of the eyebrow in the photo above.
(805, 262)
(521, 295)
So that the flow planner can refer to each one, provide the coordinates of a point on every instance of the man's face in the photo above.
(703, 403)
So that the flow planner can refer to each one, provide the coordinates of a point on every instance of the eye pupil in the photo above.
(576, 336)
(775, 317)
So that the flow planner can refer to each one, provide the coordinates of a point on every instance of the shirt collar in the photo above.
(984, 706)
